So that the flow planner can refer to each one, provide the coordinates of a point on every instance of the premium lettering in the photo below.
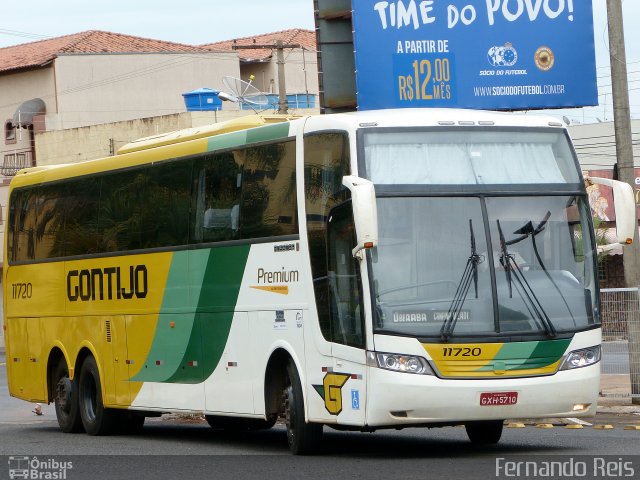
(107, 283)
(278, 276)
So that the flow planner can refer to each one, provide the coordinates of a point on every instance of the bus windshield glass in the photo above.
(463, 157)
(439, 259)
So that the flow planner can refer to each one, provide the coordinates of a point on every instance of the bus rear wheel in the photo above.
(96, 419)
(303, 438)
(485, 432)
(66, 399)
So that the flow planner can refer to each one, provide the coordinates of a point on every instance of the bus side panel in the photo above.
(229, 387)
(31, 294)
(26, 377)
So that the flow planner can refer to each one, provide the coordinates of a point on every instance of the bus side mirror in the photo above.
(365, 213)
(625, 207)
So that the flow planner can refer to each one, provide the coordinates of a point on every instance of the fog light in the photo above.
(579, 407)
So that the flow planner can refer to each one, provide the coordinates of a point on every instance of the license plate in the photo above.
(497, 399)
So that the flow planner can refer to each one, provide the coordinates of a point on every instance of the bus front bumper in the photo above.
(397, 399)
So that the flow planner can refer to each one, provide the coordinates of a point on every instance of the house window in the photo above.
(9, 133)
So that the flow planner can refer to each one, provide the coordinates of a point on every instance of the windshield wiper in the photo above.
(470, 274)
(512, 271)
(528, 230)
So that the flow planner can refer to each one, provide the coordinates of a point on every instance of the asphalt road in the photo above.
(175, 447)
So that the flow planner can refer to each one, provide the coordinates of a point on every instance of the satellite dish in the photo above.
(243, 93)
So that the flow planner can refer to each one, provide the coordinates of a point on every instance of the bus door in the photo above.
(348, 339)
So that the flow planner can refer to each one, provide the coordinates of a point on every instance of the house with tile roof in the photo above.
(96, 77)
(300, 58)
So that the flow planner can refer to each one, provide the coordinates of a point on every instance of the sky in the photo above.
(198, 22)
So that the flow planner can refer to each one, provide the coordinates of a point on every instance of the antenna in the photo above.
(243, 93)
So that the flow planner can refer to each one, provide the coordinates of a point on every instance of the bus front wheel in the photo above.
(66, 399)
(485, 432)
(97, 419)
(303, 438)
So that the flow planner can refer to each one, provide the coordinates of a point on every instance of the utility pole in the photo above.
(279, 46)
(626, 172)
(283, 105)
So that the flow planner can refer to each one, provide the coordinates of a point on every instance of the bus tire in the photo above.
(96, 419)
(303, 438)
(66, 399)
(485, 432)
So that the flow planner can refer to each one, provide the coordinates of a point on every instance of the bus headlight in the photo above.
(581, 358)
(399, 363)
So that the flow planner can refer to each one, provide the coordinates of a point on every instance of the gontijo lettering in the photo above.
(107, 283)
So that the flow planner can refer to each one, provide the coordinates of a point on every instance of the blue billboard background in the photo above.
(483, 54)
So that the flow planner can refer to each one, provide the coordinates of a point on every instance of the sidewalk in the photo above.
(615, 395)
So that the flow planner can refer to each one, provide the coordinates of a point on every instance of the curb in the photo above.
(619, 409)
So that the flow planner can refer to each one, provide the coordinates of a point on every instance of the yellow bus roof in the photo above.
(241, 123)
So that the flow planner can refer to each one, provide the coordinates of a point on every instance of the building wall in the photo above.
(16, 89)
(19, 87)
(596, 144)
(97, 141)
(104, 88)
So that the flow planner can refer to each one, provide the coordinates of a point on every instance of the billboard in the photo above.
(483, 54)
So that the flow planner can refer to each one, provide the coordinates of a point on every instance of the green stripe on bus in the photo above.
(219, 289)
(528, 355)
(227, 140)
(187, 347)
(269, 132)
(255, 135)
(175, 327)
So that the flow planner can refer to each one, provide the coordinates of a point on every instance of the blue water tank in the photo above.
(202, 99)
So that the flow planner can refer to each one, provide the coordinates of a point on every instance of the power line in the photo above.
(17, 33)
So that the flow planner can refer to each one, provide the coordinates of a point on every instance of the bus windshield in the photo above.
(463, 157)
(439, 260)
(455, 265)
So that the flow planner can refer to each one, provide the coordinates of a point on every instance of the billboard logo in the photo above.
(544, 59)
(502, 56)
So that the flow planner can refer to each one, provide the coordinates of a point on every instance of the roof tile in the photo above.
(305, 38)
(40, 53)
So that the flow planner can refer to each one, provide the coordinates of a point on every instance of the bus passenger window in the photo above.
(268, 207)
(217, 209)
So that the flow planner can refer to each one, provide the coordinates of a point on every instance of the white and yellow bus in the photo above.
(381, 269)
